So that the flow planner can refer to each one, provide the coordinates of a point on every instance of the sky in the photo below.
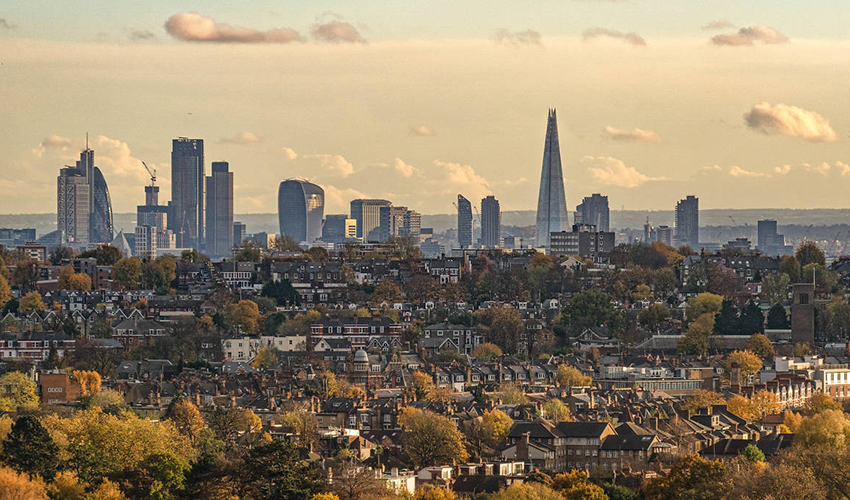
(743, 104)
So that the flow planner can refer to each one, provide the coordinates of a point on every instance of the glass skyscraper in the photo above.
(464, 222)
(551, 202)
(186, 219)
(301, 208)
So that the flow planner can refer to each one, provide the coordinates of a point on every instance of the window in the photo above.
(804, 298)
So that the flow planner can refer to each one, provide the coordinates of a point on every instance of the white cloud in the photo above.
(790, 121)
(518, 38)
(290, 154)
(459, 178)
(822, 169)
(843, 168)
(718, 25)
(748, 36)
(423, 131)
(630, 38)
(115, 159)
(336, 164)
(339, 200)
(244, 139)
(52, 142)
(783, 170)
(634, 135)
(613, 172)
(194, 27)
(736, 171)
(406, 170)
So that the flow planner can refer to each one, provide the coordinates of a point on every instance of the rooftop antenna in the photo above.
(87, 140)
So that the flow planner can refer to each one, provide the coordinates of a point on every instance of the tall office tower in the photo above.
(491, 222)
(73, 204)
(338, 228)
(552, 201)
(186, 219)
(392, 219)
(664, 234)
(239, 233)
(411, 226)
(219, 216)
(154, 215)
(594, 211)
(145, 242)
(648, 232)
(101, 227)
(464, 222)
(367, 213)
(301, 208)
(687, 222)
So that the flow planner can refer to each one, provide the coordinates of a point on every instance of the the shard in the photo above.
(551, 202)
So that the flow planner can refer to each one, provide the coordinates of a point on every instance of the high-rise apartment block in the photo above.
(664, 234)
(551, 201)
(367, 213)
(583, 241)
(219, 207)
(301, 209)
(240, 231)
(593, 210)
(687, 222)
(770, 242)
(464, 222)
(145, 242)
(411, 226)
(186, 219)
(491, 222)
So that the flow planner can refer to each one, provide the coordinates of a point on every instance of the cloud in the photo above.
(115, 159)
(335, 163)
(630, 38)
(4, 24)
(748, 36)
(194, 27)
(843, 167)
(141, 35)
(720, 24)
(791, 121)
(635, 135)
(336, 31)
(244, 139)
(823, 168)
(736, 171)
(461, 178)
(423, 131)
(406, 170)
(290, 154)
(339, 200)
(613, 172)
(518, 38)
(783, 170)
(52, 142)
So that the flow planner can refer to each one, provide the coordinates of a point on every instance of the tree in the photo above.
(5, 291)
(284, 243)
(486, 352)
(17, 390)
(106, 255)
(387, 292)
(752, 319)
(775, 287)
(245, 315)
(302, 423)
(753, 453)
(168, 472)
(653, 315)
(792, 421)
(66, 486)
(275, 471)
(727, 322)
(704, 303)
(760, 345)
(556, 411)
(430, 438)
(830, 428)
(494, 426)
(569, 376)
(575, 485)
(692, 478)
(512, 395)
(89, 381)
(695, 341)
(352, 481)
(29, 448)
(431, 492)
(810, 253)
(505, 324)
(423, 385)
(527, 491)
(186, 418)
(266, 358)
(641, 292)
(80, 282)
(265, 304)
(282, 292)
(249, 252)
(31, 302)
(790, 266)
(15, 486)
(702, 398)
(126, 272)
(589, 308)
(65, 272)
(748, 363)
(821, 402)
(317, 254)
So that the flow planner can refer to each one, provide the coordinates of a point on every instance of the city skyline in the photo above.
(643, 116)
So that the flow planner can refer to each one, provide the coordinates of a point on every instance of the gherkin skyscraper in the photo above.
(551, 202)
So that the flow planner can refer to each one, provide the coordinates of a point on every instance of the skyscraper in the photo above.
(101, 226)
(154, 215)
(392, 221)
(491, 222)
(770, 241)
(301, 208)
(240, 231)
(367, 213)
(464, 222)
(687, 222)
(219, 216)
(187, 192)
(411, 225)
(83, 206)
(551, 202)
(338, 228)
(594, 211)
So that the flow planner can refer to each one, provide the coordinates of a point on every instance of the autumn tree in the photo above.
(575, 485)
(569, 376)
(430, 438)
(5, 291)
(760, 345)
(830, 428)
(106, 255)
(89, 381)
(31, 302)
(245, 315)
(80, 282)
(653, 315)
(702, 398)
(556, 411)
(266, 358)
(491, 429)
(423, 385)
(17, 390)
(692, 478)
(527, 491)
(821, 402)
(486, 352)
(696, 339)
(16, 486)
(792, 421)
(704, 303)
(387, 292)
(185, 417)
(810, 253)
(431, 492)
(29, 448)
(748, 363)
(302, 423)
(126, 272)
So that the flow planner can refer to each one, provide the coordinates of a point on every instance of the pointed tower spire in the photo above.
(551, 202)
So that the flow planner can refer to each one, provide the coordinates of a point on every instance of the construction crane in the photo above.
(152, 173)
(832, 244)
(808, 231)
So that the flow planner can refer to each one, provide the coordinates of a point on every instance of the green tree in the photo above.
(126, 272)
(752, 319)
(168, 471)
(275, 471)
(695, 341)
(266, 358)
(810, 253)
(704, 303)
(29, 448)
(760, 345)
(249, 252)
(106, 255)
(753, 453)
(726, 322)
(317, 254)
(790, 266)
(775, 287)
(589, 308)
(777, 318)
(652, 316)
(282, 292)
